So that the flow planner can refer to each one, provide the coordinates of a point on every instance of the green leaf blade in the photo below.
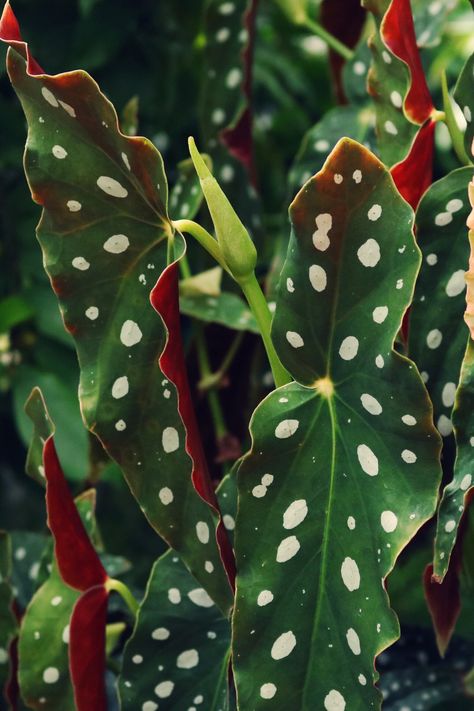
(321, 518)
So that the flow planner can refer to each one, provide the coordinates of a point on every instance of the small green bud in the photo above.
(236, 246)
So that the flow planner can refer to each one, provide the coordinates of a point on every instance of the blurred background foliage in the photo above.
(154, 50)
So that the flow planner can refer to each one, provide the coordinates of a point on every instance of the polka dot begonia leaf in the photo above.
(396, 80)
(464, 98)
(44, 676)
(458, 493)
(225, 115)
(178, 654)
(104, 234)
(344, 466)
(8, 624)
(437, 333)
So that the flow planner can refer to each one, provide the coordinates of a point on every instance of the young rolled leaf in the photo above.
(104, 233)
(344, 466)
(396, 79)
(178, 655)
(437, 335)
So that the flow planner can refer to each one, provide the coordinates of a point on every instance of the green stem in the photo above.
(330, 40)
(205, 239)
(124, 592)
(450, 121)
(212, 396)
(259, 307)
(214, 378)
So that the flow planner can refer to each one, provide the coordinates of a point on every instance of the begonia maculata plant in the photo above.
(274, 586)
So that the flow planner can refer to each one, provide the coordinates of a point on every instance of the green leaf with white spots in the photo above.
(464, 96)
(389, 81)
(229, 28)
(225, 308)
(437, 335)
(178, 655)
(44, 635)
(354, 74)
(353, 122)
(104, 233)
(430, 20)
(344, 466)
(29, 553)
(8, 625)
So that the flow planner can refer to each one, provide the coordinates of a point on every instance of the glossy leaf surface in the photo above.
(103, 233)
(178, 654)
(437, 336)
(344, 465)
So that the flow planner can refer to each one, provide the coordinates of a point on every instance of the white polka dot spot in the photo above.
(130, 333)
(80, 263)
(165, 495)
(59, 152)
(295, 514)
(268, 691)
(111, 187)
(353, 641)
(287, 549)
(374, 212)
(351, 523)
(120, 387)
(367, 460)
(200, 598)
(466, 482)
(456, 283)
(174, 596)
(164, 689)
(170, 440)
(388, 521)
(51, 675)
(450, 526)
(448, 394)
(357, 176)
(286, 428)
(379, 314)
(350, 574)
(317, 277)
(283, 645)
(188, 659)
(116, 244)
(349, 348)
(408, 456)
(160, 634)
(434, 338)
(334, 701)
(264, 598)
(443, 218)
(320, 236)
(294, 339)
(202, 532)
(92, 313)
(369, 253)
(370, 404)
(409, 420)
(73, 206)
(49, 97)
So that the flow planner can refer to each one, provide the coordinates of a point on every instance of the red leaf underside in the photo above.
(414, 174)
(78, 562)
(87, 650)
